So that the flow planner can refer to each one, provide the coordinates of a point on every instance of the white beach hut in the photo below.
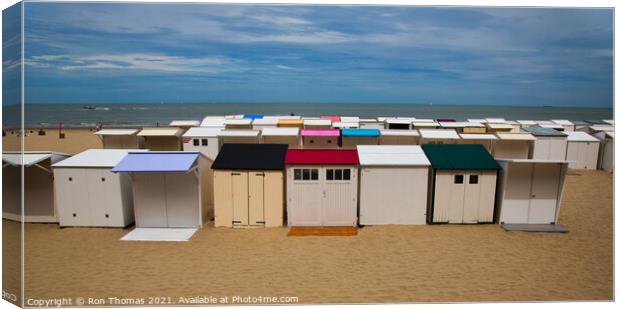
(264, 123)
(238, 124)
(118, 138)
(399, 137)
(446, 136)
(526, 123)
(89, 194)
(168, 188)
(213, 122)
(345, 125)
(464, 127)
(422, 124)
(567, 125)
(161, 138)
(239, 137)
(513, 145)
(321, 187)
(487, 140)
(371, 123)
(317, 124)
(530, 191)
(606, 151)
(202, 139)
(288, 136)
(398, 123)
(184, 124)
(493, 127)
(39, 204)
(598, 128)
(393, 185)
(320, 138)
(550, 144)
(582, 150)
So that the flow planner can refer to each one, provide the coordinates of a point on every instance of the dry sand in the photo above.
(75, 141)
(442, 263)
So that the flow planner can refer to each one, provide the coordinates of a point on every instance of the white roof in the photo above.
(349, 119)
(514, 136)
(96, 158)
(439, 134)
(340, 124)
(601, 128)
(578, 136)
(463, 124)
(202, 132)
(280, 132)
(234, 116)
(282, 117)
(544, 122)
(29, 157)
(611, 122)
(495, 120)
(527, 122)
(184, 123)
(161, 131)
(266, 121)
(235, 121)
(400, 133)
(552, 126)
(318, 122)
(392, 155)
(116, 132)
(477, 120)
(562, 122)
(423, 120)
(243, 133)
(213, 122)
(477, 136)
(495, 125)
(368, 120)
(425, 124)
(399, 120)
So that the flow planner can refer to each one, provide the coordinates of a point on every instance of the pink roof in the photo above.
(332, 118)
(322, 156)
(320, 132)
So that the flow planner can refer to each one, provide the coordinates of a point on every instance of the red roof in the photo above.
(322, 156)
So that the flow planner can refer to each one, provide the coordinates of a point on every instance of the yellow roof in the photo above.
(291, 122)
(163, 131)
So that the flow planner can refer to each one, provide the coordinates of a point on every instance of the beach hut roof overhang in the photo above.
(340, 124)
(371, 155)
(477, 136)
(499, 126)
(318, 122)
(239, 133)
(515, 136)
(539, 131)
(116, 132)
(291, 122)
(349, 119)
(609, 134)
(238, 121)
(280, 132)
(253, 116)
(463, 124)
(158, 161)
(320, 132)
(184, 123)
(596, 121)
(368, 120)
(526, 122)
(562, 122)
(477, 120)
(544, 122)
(96, 158)
(495, 120)
(580, 123)
(400, 133)
(332, 118)
(202, 132)
(598, 128)
(163, 131)
(251, 157)
(459, 157)
(361, 132)
(424, 124)
(265, 121)
(211, 121)
(30, 158)
(439, 134)
(578, 136)
(321, 157)
(399, 121)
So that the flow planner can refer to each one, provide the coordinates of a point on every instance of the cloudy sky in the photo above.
(122, 52)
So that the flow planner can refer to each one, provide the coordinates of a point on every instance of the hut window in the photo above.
(346, 174)
(458, 179)
(196, 142)
(473, 179)
(297, 174)
(338, 174)
(306, 174)
(204, 142)
(314, 174)
(330, 174)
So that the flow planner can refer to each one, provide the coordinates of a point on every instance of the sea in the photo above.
(119, 115)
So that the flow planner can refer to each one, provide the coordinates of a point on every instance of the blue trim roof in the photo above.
(157, 162)
(360, 132)
(253, 116)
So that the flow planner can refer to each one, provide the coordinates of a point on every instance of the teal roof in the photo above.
(459, 157)
(360, 132)
(540, 131)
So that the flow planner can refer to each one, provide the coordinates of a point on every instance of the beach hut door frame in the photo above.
(248, 198)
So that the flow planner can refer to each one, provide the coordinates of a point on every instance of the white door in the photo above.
(240, 198)
(305, 196)
(150, 200)
(98, 199)
(114, 214)
(182, 200)
(516, 200)
(339, 196)
(72, 196)
(457, 197)
(471, 202)
(544, 193)
(256, 198)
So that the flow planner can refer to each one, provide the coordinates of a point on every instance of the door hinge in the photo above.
(260, 174)
(236, 222)
(263, 222)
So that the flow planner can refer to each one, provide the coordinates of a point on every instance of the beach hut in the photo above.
(495, 120)
(550, 144)
(184, 124)
(567, 125)
(477, 120)
(353, 137)
(393, 185)
(464, 127)
(530, 191)
(118, 138)
(598, 128)
(203, 140)
(555, 126)
(161, 138)
(609, 121)
(463, 183)
(349, 119)
(288, 136)
(526, 123)
(580, 125)
(213, 122)
(263, 123)
(399, 137)
(371, 123)
(398, 123)
(253, 116)
(239, 137)
(38, 181)
(249, 185)
(345, 125)
(320, 138)
(499, 127)
(582, 150)
(169, 188)
(317, 124)
(513, 145)
(606, 150)
(238, 124)
(447, 136)
(291, 123)
(89, 194)
(487, 140)
(321, 187)
(331, 118)
(428, 125)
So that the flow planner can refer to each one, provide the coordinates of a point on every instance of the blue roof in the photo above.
(157, 162)
(360, 132)
(253, 116)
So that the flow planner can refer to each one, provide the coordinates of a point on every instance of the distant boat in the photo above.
(88, 107)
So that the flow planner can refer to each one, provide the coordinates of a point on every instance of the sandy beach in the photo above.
(76, 140)
(387, 264)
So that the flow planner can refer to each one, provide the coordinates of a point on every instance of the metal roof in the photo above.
(562, 122)
(159, 161)
(540, 131)
(110, 132)
(317, 122)
(253, 116)
(578, 136)
(184, 123)
(477, 120)
(601, 128)
(322, 156)
(371, 155)
(349, 119)
(360, 132)
(250, 157)
(320, 132)
(533, 161)
(265, 121)
(202, 132)
(461, 124)
(495, 125)
(280, 132)
(552, 126)
(238, 121)
(29, 158)
(399, 121)
(439, 134)
(459, 157)
(96, 158)
(339, 124)
(213, 122)
(400, 133)
(244, 133)
(477, 136)
(515, 136)
(495, 120)
(162, 131)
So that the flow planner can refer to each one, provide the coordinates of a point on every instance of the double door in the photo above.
(248, 198)
(464, 196)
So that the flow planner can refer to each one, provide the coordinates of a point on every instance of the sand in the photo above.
(75, 141)
(382, 264)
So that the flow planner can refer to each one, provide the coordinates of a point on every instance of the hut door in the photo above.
(150, 202)
(338, 206)
(544, 193)
(471, 201)
(256, 198)
(457, 197)
(74, 209)
(240, 198)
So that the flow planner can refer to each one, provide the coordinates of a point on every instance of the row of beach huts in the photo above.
(253, 171)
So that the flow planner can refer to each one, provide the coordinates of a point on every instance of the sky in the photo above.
(142, 53)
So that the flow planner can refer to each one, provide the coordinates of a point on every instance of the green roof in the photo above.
(459, 157)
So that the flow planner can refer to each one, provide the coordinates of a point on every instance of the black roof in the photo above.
(250, 157)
